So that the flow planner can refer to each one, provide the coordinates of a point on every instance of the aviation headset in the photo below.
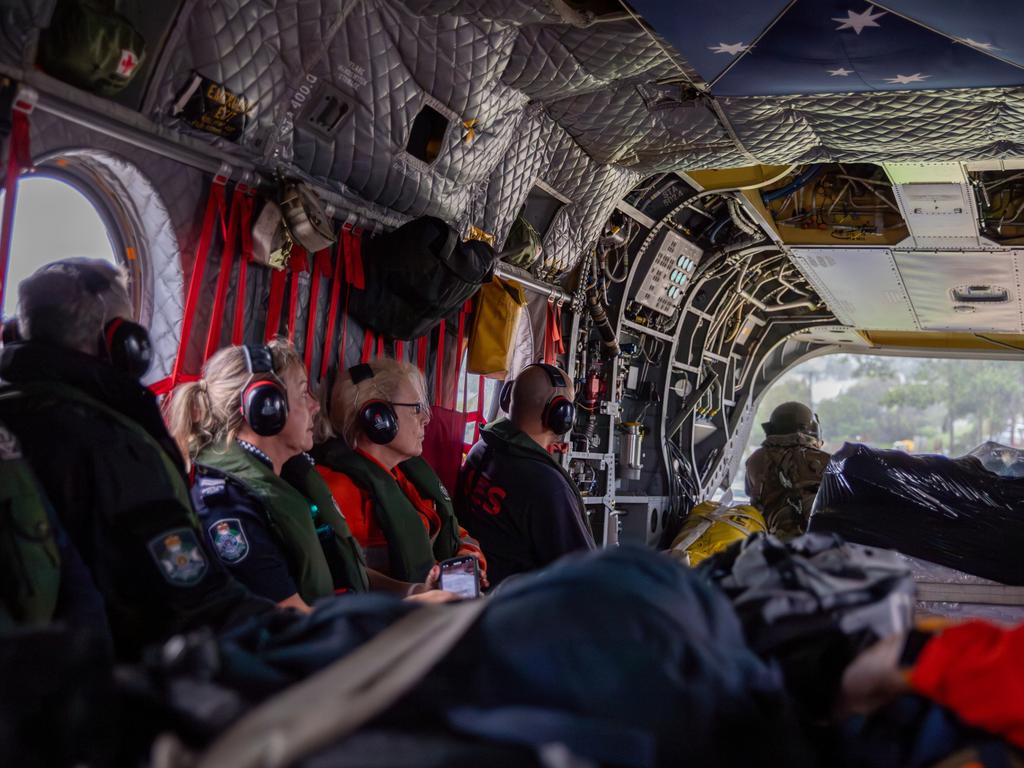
(377, 417)
(264, 400)
(559, 411)
(123, 343)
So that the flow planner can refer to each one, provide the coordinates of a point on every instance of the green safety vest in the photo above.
(29, 559)
(411, 553)
(293, 518)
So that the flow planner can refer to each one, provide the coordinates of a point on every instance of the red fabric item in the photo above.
(443, 443)
(19, 158)
(549, 344)
(238, 325)
(380, 347)
(227, 259)
(214, 210)
(354, 260)
(275, 304)
(976, 670)
(421, 355)
(556, 332)
(332, 308)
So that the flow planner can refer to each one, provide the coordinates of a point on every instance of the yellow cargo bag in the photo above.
(711, 528)
(499, 305)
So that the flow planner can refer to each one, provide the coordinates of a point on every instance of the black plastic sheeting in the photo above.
(952, 512)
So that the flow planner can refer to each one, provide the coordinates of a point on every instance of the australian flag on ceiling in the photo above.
(774, 47)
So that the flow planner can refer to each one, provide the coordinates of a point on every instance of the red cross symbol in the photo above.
(127, 64)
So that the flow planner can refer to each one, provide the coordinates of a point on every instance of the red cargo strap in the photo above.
(224, 276)
(298, 262)
(421, 355)
(553, 334)
(439, 367)
(479, 407)
(321, 267)
(354, 261)
(399, 350)
(245, 225)
(214, 210)
(332, 307)
(368, 344)
(19, 158)
(380, 347)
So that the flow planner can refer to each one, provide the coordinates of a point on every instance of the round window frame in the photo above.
(81, 172)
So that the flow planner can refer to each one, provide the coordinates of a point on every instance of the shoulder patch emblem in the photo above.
(444, 491)
(211, 488)
(179, 557)
(9, 447)
(229, 540)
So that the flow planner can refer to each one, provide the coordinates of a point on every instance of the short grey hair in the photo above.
(68, 302)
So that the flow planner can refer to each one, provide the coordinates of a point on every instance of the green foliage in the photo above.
(939, 405)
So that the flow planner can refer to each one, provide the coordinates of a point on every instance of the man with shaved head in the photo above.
(514, 496)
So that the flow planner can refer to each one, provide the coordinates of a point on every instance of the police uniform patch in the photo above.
(229, 540)
(179, 557)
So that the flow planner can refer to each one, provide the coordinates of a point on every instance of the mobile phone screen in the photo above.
(459, 575)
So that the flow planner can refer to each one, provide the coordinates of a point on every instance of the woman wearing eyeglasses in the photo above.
(263, 509)
(397, 507)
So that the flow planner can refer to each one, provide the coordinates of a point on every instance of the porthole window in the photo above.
(54, 220)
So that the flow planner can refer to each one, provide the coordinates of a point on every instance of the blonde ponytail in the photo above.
(190, 419)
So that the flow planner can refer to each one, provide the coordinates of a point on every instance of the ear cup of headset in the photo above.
(559, 415)
(505, 396)
(128, 347)
(264, 400)
(379, 421)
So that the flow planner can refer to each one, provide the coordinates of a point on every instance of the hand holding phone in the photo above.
(461, 575)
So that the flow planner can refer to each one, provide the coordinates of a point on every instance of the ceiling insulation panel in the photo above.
(862, 286)
(963, 290)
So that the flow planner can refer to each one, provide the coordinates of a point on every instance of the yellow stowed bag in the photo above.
(499, 305)
(711, 528)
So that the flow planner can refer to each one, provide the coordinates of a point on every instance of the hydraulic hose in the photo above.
(601, 322)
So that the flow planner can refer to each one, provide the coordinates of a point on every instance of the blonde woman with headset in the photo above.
(247, 424)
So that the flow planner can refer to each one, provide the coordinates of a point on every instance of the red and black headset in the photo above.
(377, 417)
(264, 400)
(559, 412)
(123, 343)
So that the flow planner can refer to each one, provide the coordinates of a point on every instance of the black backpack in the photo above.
(416, 275)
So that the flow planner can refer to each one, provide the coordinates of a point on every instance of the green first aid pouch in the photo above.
(91, 46)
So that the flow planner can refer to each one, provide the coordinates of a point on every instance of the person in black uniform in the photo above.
(263, 508)
(513, 496)
(96, 441)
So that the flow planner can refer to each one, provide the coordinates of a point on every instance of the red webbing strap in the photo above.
(368, 339)
(380, 347)
(354, 272)
(224, 276)
(399, 350)
(245, 225)
(439, 367)
(549, 338)
(460, 337)
(214, 209)
(298, 262)
(276, 303)
(332, 307)
(556, 334)
(19, 158)
(421, 355)
(321, 267)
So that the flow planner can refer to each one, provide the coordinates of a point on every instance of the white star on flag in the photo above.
(841, 72)
(731, 48)
(917, 77)
(976, 44)
(857, 21)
